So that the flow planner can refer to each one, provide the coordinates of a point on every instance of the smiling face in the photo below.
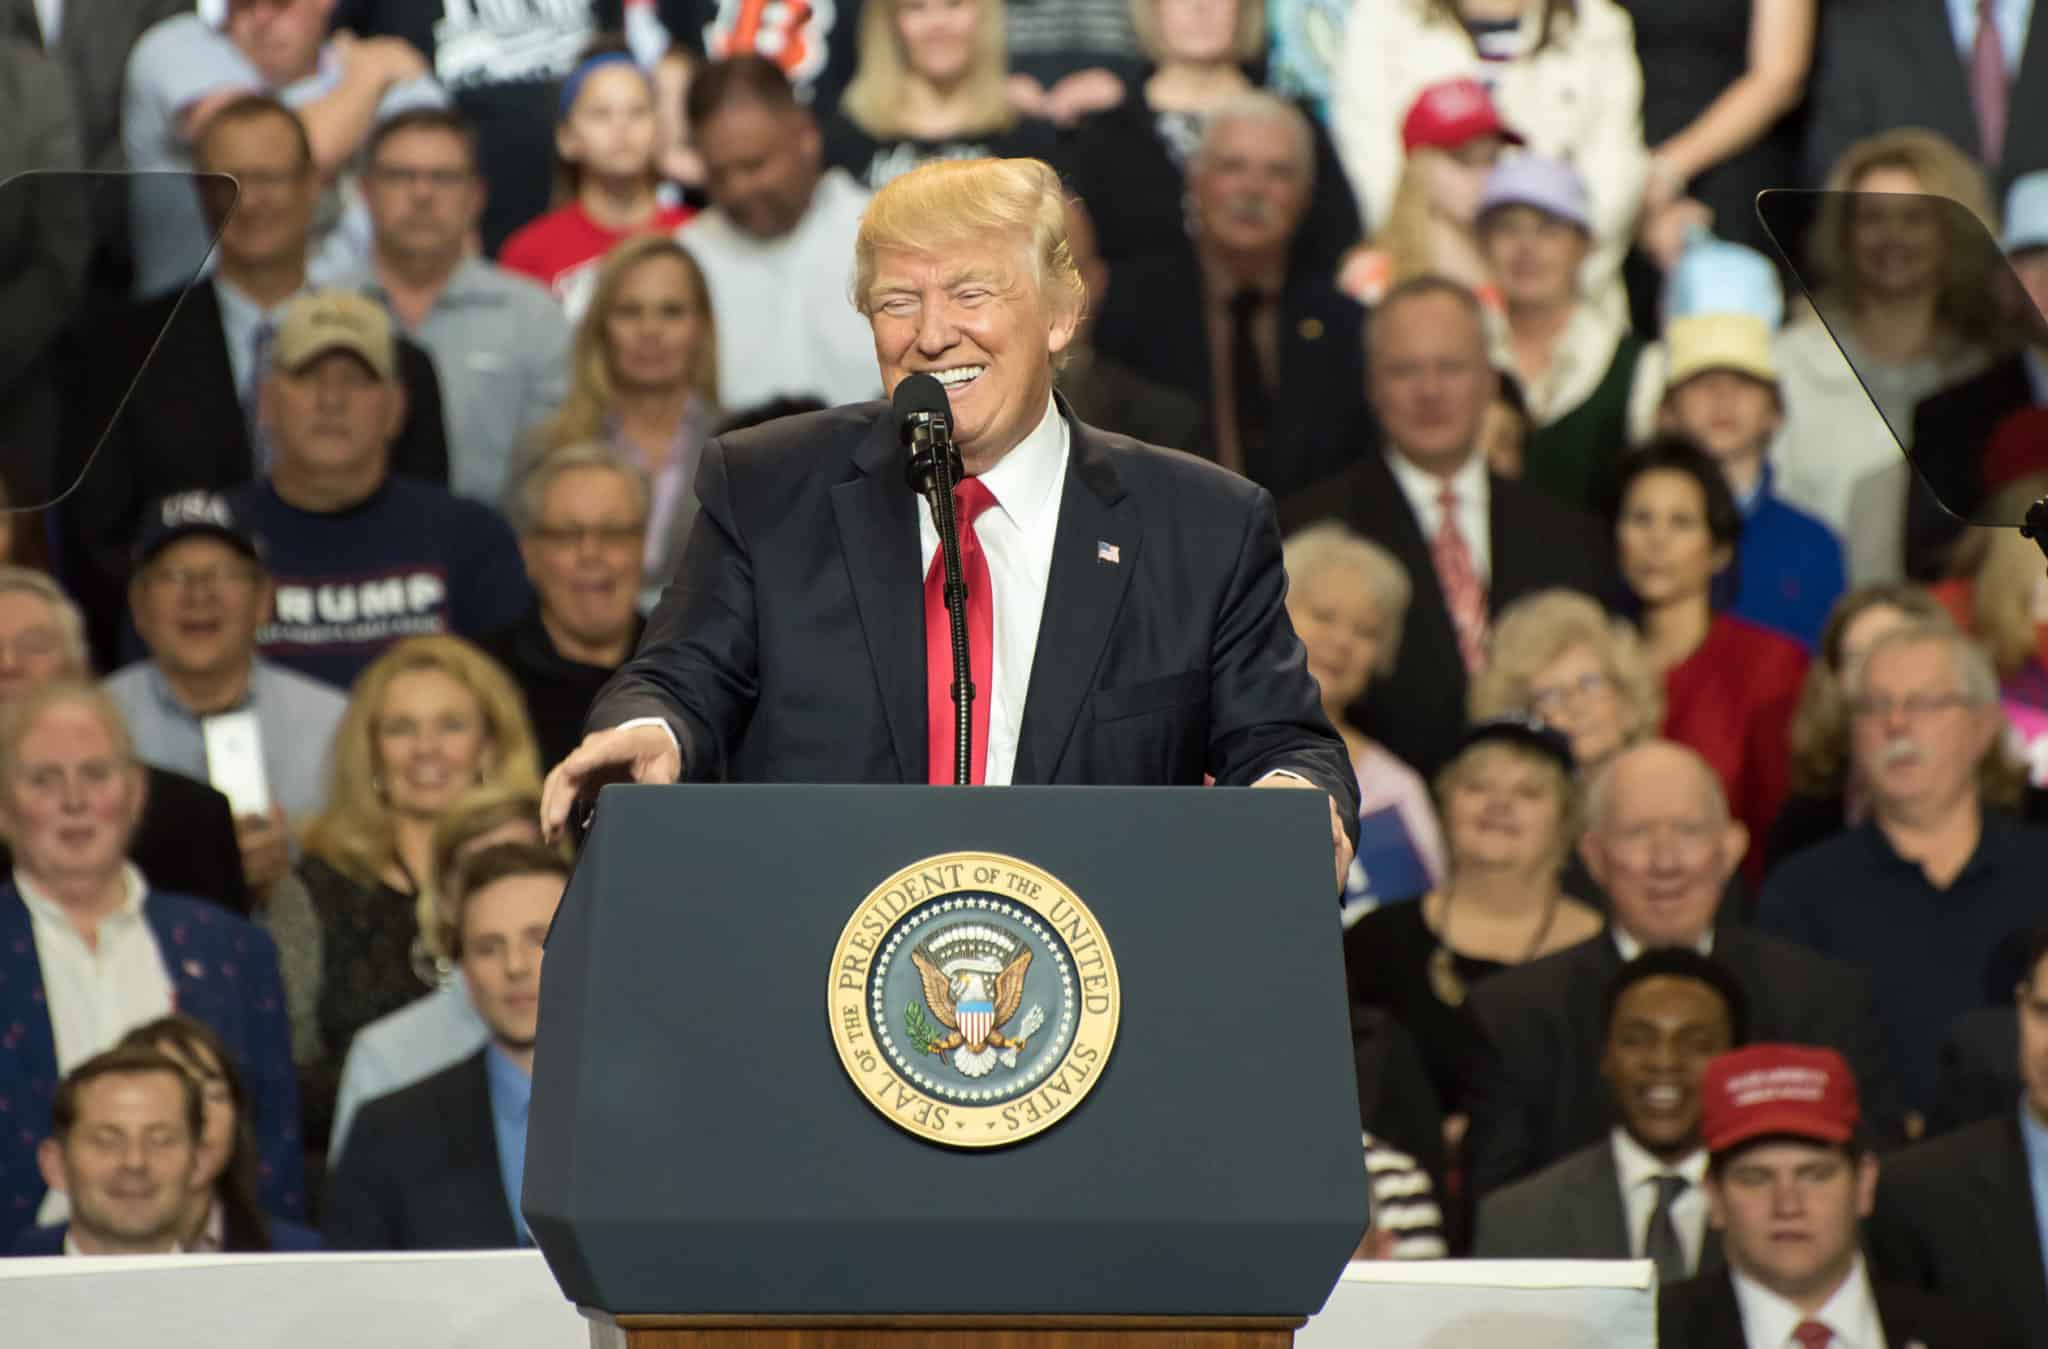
(127, 1163)
(584, 554)
(1334, 614)
(1664, 1031)
(974, 316)
(1664, 848)
(432, 743)
(273, 215)
(611, 130)
(655, 326)
(938, 38)
(504, 934)
(1668, 556)
(1503, 810)
(197, 606)
(1896, 241)
(1788, 1214)
(71, 801)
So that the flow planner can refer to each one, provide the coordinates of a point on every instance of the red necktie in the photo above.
(1988, 84)
(1812, 1335)
(1464, 594)
(970, 499)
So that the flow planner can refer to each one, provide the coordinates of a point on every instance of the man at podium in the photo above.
(1124, 603)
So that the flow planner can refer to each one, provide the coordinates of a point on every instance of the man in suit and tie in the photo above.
(1934, 64)
(1788, 1182)
(1636, 1193)
(1128, 600)
(1473, 542)
(1660, 841)
(1963, 1215)
(439, 1165)
(1240, 318)
(192, 421)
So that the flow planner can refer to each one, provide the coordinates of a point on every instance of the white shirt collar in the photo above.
(1768, 1320)
(134, 890)
(1022, 481)
(1637, 1167)
(1419, 485)
(1626, 943)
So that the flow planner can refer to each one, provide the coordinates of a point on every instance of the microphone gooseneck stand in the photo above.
(933, 472)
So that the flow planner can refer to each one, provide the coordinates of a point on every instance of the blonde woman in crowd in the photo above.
(440, 1026)
(1556, 656)
(1347, 597)
(643, 378)
(428, 721)
(929, 84)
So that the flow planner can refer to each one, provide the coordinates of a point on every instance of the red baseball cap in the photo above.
(1451, 112)
(1768, 1089)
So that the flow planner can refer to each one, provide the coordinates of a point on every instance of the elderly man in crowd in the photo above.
(499, 341)
(1931, 894)
(1635, 1194)
(362, 558)
(1263, 340)
(186, 840)
(776, 243)
(1660, 841)
(439, 1165)
(1472, 541)
(581, 513)
(1963, 1215)
(124, 1151)
(204, 704)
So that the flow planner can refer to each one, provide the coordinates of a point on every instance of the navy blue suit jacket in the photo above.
(223, 972)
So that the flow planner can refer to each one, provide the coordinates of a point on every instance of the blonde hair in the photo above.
(70, 618)
(593, 391)
(874, 96)
(480, 811)
(1332, 543)
(1964, 307)
(355, 833)
(1250, 43)
(969, 201)
(1533, 632)
(2004, 568)
(530, 497)
(1563, 784)
(17, 719)
(1405, 237)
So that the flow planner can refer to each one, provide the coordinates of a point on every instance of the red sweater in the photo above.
(557, 247)
(1732, 700)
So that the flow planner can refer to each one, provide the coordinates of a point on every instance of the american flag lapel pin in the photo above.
(1108, 552)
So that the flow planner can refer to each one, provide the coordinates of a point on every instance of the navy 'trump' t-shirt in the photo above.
(411, 560)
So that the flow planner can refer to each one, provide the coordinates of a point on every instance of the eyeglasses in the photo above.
(399, 175)
(1916, 706)
(201, 578)
(604, 536)
(1548, 702)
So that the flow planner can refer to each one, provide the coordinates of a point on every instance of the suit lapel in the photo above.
(24, 1010)
(1082, 597)
(197, 986)
(1382, 506)
(878, 539)
(1603, 1209)
(2005, 1199)
(473, 1133)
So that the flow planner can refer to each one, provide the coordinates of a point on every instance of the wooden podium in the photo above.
(940, 1332)
(704, 1172)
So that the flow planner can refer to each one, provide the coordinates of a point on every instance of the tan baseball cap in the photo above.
(1702, 342)
(335, 320)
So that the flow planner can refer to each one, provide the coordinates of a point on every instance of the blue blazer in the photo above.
(224, 972)
(284, 1237)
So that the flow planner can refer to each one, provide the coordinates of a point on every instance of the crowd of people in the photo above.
(352, 443)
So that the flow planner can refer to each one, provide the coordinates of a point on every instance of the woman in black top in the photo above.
(930, 85)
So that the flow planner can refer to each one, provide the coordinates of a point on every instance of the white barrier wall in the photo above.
(508, 1300)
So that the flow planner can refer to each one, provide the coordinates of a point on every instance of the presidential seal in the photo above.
(973, 999)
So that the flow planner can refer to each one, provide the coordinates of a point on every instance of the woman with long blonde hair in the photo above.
(929, 84)
(643, 379)
(428, 720)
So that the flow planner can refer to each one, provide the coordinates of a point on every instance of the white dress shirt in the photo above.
(50, 19)
(1474, 502)
(1626, 943)
(1638, 1172)
(1767, 1319)
(1016, 537)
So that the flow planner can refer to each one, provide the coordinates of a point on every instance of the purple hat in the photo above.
(1550, 185)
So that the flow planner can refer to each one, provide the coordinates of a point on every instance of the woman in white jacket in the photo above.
(1562, 72)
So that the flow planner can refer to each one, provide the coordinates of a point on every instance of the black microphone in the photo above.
(924, 419)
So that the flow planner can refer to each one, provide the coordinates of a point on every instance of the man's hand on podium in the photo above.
(641, 752)
(1340, 842)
